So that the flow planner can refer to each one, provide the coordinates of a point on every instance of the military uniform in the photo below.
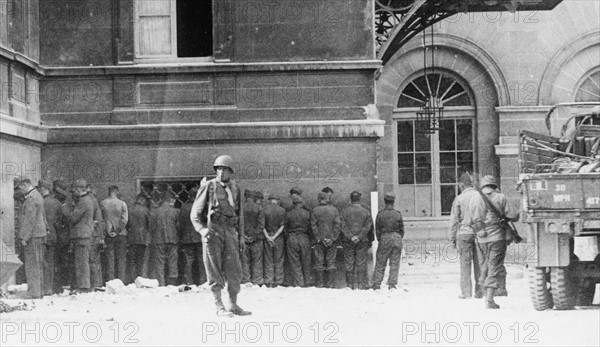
(164, 241)
(97, 245)
(252, 257)
(138, 240)
(297, 229)
(115, 215)
(492, 239)
(356, 222)
(389, 228)
(54, 221)
(80, 214)
(325, 225)
(466, 212)
(274, 253)
(191, 245)
(32, 231)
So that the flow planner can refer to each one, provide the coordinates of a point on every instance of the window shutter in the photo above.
(156, 28)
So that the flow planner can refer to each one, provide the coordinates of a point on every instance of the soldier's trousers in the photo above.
(116, 253)
(64, 266)
(298, 255)
(192, 253)
(222, 260)
(252, 263)
(137, 262)
(96, 278)
(51, 281)
(274, 261)
(355, 260)
(34, 266)
(469, 258)
(389, 248)
(165, 258)
(325, 257)
(81, 258)
(491, 263)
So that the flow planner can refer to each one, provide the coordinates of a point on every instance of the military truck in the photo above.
(560, 186)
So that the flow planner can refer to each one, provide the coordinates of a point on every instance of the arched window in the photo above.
(589, 88)
(448, 88)
(429, 165)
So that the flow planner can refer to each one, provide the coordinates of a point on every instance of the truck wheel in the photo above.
(538, 289)
(563, 291)
(587, 289)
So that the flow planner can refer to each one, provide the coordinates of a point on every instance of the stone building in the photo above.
(145, 94)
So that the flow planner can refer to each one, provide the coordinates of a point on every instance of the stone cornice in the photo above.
(211, 67)
(21, 60)
(22, 129)
(215, 132)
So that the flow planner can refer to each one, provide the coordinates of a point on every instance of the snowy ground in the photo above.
(424, 310)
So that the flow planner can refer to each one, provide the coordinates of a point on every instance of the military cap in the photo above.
(488, 180)
(80, 183)
(45, 184)
(273, 197)
(23, 181)
(389, 197)
(355, 195)
(296, 190)
(60, 187)
(258, 195)
(297, 200)
(466, 179)
(142, 196)
(327, 190)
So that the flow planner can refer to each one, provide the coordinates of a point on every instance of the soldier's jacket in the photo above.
(325, 223)
(187, 232)
(32, 217)
(98, 234)
(80, 214)
(389, 221)
(214, 197)
(166, 225)
(297, 220)
(139, 225)
(467, 212)
(356, 221)
(54, 218)
(115, 215)
(274, 218)
(492, 228)
(254, 220)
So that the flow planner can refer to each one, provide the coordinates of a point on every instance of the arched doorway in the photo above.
(429, 165)
(589, 88)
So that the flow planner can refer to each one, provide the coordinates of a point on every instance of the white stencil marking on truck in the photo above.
(593, 201)
(562, 198)
(538, 185)
(560, 187)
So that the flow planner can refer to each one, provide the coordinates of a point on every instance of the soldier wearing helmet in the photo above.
(492, 238)
(222, 230)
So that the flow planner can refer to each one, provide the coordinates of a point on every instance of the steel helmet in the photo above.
(488, 180)
(225, 161)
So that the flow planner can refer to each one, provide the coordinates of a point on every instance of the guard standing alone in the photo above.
(222, 230)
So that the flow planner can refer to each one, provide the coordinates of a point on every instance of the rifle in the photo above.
(505, 224)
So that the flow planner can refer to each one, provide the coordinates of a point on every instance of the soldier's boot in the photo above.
(489, 299)
(221, 311)
(319, 278)
(501, 291)
(350, 280)
(235, 308)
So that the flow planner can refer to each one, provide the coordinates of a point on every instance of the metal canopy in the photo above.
(397, 21)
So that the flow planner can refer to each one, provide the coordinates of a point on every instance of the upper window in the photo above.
(173, 29)
(450, 91)
(589, 90)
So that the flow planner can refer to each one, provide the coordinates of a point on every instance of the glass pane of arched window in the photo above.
(589, 89)
(451, 92)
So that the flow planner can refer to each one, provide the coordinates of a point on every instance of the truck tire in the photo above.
(538, 289)
(563, 290)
